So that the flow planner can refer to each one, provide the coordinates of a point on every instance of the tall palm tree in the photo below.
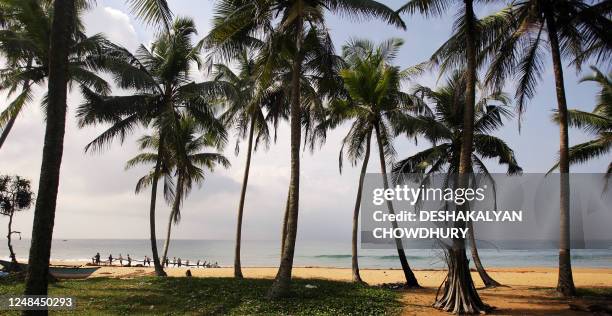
(375, 105)
(576, 30)
(184, 160)
(459, 294)
(292, 19)
(444, 129)
(598, 123)
(163, 94)
(62, 27)
(251, 109)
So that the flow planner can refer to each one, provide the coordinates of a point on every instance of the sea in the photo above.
(307, 253)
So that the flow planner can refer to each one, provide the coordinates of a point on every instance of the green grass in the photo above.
(216, 296)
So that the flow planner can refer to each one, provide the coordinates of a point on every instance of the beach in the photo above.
(526, 290)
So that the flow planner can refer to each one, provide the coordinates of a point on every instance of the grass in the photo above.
(215, 296)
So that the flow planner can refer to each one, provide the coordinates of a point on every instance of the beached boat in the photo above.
(62, 272)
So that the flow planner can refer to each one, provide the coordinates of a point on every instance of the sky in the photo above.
(96, 196)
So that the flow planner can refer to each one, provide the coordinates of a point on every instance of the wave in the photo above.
(382, 257)
(333, 256)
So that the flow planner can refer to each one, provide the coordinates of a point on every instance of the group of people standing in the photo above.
(147, 261)
(179, 262)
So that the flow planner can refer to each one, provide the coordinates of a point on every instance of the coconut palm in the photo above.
(251, 109)
(163, 94)
(577, 31)
(459, 294)
(15, 196)
(62, 27)
(444, 130)
(375, 105)
(289, 22)
(184, 161)
(24, 42)
(598, 123)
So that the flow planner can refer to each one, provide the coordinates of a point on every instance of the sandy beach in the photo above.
(526, 291)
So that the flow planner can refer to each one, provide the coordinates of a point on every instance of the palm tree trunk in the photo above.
(44, 213)
(245, 181)
(14, 264)
(159, 270)
(7, 129)
(565, 284)
(167, 241)
(459, 294)
(284, 228)
(484, 276)
(355, 237)
(173, 213)
(282, 282)
(411, 280)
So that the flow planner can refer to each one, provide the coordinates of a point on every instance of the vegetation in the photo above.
(597, 123)
(443, 128)
(576, 31)
(271, 60)
(15, 196)
(184, 160)
(216, 296)
(164, 94)
(375, 105)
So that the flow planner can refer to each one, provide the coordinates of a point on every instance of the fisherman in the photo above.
(97, 259)
(129, 260)
(110, 259)
(198, 263)
(187, 262)
(120, 260)
(167, 262)
(148, 261)
(179, 262)
(174, 261)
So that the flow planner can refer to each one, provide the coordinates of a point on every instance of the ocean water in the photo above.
(308, 253)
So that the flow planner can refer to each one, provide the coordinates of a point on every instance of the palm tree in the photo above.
(254, 105)
(24, 42)
(459, 294)
(598, 123)
(292, 19)
(577, 30)
(62, 27)
(184, 160)
(375, 105)
(163, 94)
(15, 196)
(444, 130)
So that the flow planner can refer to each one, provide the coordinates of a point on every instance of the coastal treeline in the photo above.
(273, 61)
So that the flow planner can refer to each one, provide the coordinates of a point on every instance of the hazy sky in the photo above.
(97, 199)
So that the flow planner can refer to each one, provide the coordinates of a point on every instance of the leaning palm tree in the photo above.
(251, 109)
(183, 159)
(62, 27)
(576, 30)
(376, 106)
(444, 130)
(598, 123)
(288, 21)
(163, 94)
(459, 294)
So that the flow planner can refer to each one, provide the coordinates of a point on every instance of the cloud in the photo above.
(113, 23)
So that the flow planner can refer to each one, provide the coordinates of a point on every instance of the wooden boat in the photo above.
(61, 272)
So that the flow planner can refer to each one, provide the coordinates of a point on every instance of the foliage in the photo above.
(15, 194)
